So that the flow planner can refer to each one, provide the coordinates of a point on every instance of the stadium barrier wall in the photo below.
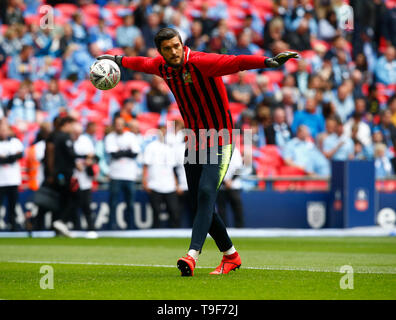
(277, 210)
(352, 201)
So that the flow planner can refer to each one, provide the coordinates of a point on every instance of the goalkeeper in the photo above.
(195, 80)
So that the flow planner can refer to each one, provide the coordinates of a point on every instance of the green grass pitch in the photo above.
(272, 268)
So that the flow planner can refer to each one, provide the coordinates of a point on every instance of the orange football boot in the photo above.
(228, 263)
(186, 265)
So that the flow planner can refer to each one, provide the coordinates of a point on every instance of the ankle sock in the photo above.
(193, 253)
(229, 251)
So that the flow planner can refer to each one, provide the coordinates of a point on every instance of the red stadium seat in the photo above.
(382, 45)
(266, 5)
(391, 88)
(118, 93)
(67, 9)
(230, 78)
(57, 64)
(10, 86)
(250, 77)
(3, 28)
(234, 24)
(236, 13)
(315, 42)
(287, 171)
(291, 66)
(275, 76)
(112, 30)
(32, 19)
(365, 87)
(266, 170)
(148, 120)
(236, 109)
(270, 154)
(308, 54)
(115, 52)
(61, 19)
(92, 10)
(140, 85)
(90, 21)
(40, 86)
(64, 85)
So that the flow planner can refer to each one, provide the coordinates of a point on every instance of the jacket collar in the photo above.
(187, 52)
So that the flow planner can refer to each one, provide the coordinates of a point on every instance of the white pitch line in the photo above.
(273, 268)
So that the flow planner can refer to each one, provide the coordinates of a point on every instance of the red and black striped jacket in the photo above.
(197, 86)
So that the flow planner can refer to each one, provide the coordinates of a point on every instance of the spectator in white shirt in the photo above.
(182, 192)
(230, 191)
(363, 129)
(11, 150)
(84, 173)
(122, 147)
(160, 180)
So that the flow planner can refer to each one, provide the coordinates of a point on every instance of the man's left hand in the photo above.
(280, 59)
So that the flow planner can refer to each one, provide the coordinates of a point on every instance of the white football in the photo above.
(104, 74)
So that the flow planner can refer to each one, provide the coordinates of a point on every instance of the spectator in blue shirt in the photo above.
(262, 91)
(222, 40)
(241, 92)
(309, 117)
(46, 69)
(80, 33)
(24, 65)
(278, 132)
(127, 32)
(100, 35)
(341, 68)
(10, 42)
(301, 153)
(22, 107)
(312, 24)
(53, 101)
(338, 146)
(327, 26)
(244, 45)
(385, 69)
(344, 103)
(197, 40)
(150, 29)
(383, 165)
(77, 60)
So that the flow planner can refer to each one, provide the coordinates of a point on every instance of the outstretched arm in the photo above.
(215, 65)
(140, 64)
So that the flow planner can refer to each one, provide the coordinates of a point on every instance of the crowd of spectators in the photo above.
(336, 102)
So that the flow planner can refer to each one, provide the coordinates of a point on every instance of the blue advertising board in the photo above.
(353, 198)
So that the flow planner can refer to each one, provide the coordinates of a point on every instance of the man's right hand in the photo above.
(116, 59)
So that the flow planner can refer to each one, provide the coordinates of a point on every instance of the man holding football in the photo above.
(195, 80)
